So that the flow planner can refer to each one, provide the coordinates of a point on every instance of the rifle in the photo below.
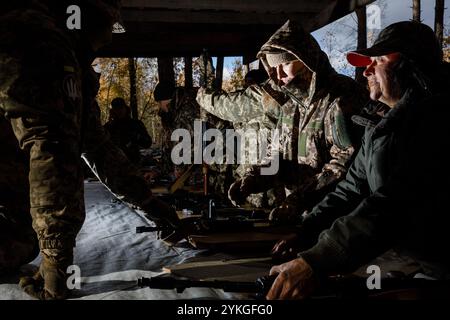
(215, 215)
(260, 287)
(209, 226)
(341, 287)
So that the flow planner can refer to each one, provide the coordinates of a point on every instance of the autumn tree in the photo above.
(236, 80)
(178, 67)
(446, 45)
(416, 11)
(341, 36)
(138, 90)
(115, 82)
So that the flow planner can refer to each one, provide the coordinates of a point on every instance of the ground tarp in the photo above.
(112, 256)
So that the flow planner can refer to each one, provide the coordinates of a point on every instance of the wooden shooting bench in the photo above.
(222, 267)
(247, 241)
(236, 256)
(178, 184)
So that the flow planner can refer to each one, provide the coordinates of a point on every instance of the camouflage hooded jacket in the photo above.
(317, 140)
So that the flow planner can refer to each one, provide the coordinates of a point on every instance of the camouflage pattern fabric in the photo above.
(317, 140)
(183, 111)
(246, 111)
(41, 97)
(220, 175)
(47, 97)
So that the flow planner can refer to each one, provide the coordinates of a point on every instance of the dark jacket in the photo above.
(394, 195)
(130, 135)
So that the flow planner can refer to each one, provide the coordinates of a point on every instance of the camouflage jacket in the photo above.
(183, 111)
(243, 108)
(317, 139)
(47, 95)
(247, 113)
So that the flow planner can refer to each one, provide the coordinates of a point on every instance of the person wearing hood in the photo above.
(393, 196)
(315, 104)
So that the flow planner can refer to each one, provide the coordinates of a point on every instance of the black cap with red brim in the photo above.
(358, 60)
(407, 37)
(361, 58)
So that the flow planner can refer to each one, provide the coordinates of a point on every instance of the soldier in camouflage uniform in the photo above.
(47, 91)
(244, 108)
(179, 110)
(316, 139)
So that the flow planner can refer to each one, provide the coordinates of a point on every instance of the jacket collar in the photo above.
(371, 114)
(379, 115)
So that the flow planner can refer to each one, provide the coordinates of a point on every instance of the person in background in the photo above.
(128, 134)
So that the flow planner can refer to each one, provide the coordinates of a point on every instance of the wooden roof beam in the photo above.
(210, 17)
(230, 5)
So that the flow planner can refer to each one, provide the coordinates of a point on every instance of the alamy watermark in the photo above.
(213, 146)
(73, 21)
(74, 278)
(374, 280)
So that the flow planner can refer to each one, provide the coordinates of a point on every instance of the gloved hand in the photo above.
(286, 249)
(161, 213)
(50, 281)
(285, 213)
(241, 189)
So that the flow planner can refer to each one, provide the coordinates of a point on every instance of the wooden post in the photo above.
(133, 96)
(165, 69)
(188, 72)
(416, 10)
(439, 20)
(362, 40)
(219, 73)
(246, 60)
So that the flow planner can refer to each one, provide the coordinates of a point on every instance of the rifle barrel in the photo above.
(181, 284)
(332, 287)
